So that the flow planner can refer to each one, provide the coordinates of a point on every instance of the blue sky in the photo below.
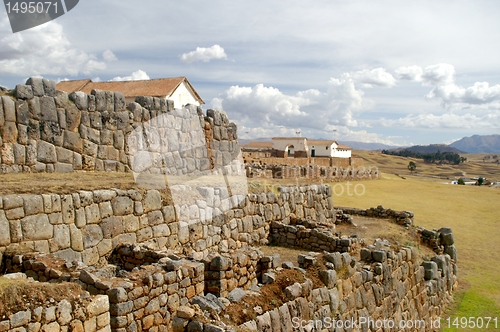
(392, 72)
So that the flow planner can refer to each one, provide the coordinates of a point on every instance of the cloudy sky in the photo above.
(394, 72)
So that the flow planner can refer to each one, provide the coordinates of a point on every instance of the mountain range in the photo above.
(432, 148)
(473, 144)
(478, 144)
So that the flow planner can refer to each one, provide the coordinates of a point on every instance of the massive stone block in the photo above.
(9, 132)
(72, 141)
(37, 227)
(23, 91)
(92, 235)
(5, 227)
(122, 206)
(73, 117)
(46, 152)
(152, 201)
(48, 109)
(80, 99)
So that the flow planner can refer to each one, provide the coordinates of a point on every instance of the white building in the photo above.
(177, 89)
(300, 147)
(328, 148)
(291, 147)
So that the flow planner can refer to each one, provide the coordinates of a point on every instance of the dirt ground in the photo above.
(16, 295)
(63, 183)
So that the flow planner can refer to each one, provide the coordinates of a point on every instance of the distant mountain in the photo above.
(367, 146)
(479, 144)
(433, 148)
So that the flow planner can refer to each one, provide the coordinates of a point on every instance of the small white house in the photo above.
(300, 147)
(290, 147)
(328, 148)
(177, 89)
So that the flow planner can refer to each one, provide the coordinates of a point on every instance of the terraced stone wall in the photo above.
(87, 225)
(45, 130)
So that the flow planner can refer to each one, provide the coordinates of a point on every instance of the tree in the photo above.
(412, 166)
(480, 181)
(461, 181)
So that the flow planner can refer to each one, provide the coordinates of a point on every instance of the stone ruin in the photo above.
(145, 264)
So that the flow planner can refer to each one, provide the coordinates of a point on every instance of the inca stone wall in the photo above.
(385, 291)
(440, 240)
(86, 226)
(309, 235)
(44, 130)
(91, 314)
(383, 285)
(312, 172)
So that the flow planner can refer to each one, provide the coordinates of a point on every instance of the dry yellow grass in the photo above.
(473, 167)
(472, 213)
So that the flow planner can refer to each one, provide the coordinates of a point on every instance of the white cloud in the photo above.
(262, 103)
(343, 106)
(446, 120)
(108, 55)
(439, 74)
(410, 73)
(434, 75)
(378, 76)
(204, 54)
(44, 50)
(479, 93)
(314, 111)
(135, 76)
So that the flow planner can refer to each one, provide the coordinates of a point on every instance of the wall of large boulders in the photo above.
(86, 226)
(45, 130)
(391, 291)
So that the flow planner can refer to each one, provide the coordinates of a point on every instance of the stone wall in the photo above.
(440, 240)
(91, 314)
(312, 172)
(134, 301)
(262, 158)
(238, 269)
(392, 288)
(311, 236)
(44, 130)
(86, 226)
(404, 218)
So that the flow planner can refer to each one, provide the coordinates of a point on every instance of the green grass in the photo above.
(471, 304)
(473, 214)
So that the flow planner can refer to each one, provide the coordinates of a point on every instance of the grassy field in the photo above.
(475, 166)
(471, 211)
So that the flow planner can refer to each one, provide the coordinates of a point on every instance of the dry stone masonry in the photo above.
(312, 172)
(148, 262)
(391, 288)
(45, 130)
(312, 236)
(86, 226)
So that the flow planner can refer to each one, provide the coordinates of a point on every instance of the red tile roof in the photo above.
(259, 145)
(320, 142)
(70, 86)
(160, 87)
